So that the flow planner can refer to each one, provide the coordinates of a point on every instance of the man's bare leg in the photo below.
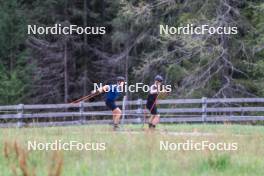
(151, 118)
(154, 120)
(116, 117)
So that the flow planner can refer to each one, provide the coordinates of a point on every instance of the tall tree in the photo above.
(199, 64)
(14, 64)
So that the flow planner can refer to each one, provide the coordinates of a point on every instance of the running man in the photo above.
(113, 92)
(151, 105)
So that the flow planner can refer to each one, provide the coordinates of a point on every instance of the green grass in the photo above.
(130, 153)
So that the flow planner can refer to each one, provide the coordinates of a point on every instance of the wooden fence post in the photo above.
(139, 109)
(204, 109)
(123, 109)
(20, 110)
(81, 110)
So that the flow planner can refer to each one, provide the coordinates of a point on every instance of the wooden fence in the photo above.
(171, 110)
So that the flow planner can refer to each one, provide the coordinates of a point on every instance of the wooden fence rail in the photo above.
(171, 110)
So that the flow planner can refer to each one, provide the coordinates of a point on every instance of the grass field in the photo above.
(134, 152)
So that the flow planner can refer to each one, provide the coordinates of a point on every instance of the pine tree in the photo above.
(198, 65)
(15, 68)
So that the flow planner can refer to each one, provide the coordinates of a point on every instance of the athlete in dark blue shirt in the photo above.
(112, 95)
(113, 92)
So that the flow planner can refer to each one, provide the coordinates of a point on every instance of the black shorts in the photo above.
(152, 108)
(111, 105)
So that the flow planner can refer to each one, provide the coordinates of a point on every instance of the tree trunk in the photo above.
(66, 95)
(126, 72)
(85, 72)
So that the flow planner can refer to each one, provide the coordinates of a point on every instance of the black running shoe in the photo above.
(116, 127)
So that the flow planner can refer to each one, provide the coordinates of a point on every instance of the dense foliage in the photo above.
(59, 68)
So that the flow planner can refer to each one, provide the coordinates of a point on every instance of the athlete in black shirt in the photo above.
(151, 105)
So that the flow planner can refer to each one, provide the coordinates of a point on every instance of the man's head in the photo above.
(120, 80)
(158, 79)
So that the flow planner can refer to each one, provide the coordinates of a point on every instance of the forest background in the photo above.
(61, 68)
